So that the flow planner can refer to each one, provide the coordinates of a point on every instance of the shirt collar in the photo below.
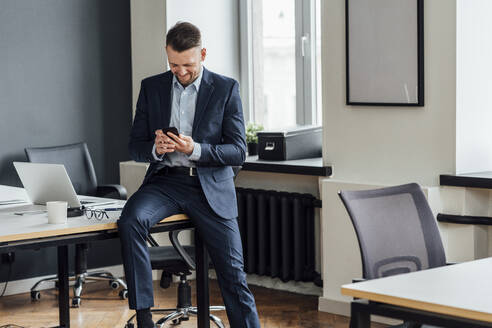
(196, 83)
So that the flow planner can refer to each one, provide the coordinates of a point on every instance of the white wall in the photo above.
(218, 20)
(474, 71)
(148, 34)
(390, 145)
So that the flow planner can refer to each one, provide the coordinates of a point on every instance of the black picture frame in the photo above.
(384, 52)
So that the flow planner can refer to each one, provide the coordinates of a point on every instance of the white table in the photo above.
(457, 295)
(34, 231)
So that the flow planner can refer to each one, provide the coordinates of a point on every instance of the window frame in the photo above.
(305, 60)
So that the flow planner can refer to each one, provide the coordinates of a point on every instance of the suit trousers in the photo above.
(166, 195)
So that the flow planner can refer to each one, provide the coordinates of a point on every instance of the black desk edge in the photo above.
(84, 237)
(362, 309)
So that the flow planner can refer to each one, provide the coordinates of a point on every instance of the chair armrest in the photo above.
(106, 189)
(173, 236)
(152, 242)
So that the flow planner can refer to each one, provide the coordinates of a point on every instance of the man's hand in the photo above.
(182, 143)
(163, 144)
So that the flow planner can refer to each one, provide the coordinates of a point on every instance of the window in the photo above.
(280, 62)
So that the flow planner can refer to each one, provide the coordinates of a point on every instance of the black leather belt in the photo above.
(177, 170)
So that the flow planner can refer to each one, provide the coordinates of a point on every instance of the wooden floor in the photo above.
(102, 308)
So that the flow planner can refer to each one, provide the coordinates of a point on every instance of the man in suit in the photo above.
(189, 173)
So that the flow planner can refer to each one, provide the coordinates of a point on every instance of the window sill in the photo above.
(464, 219)
(308, 166)
(470, 180)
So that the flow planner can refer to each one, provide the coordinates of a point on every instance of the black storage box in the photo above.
(293, 143)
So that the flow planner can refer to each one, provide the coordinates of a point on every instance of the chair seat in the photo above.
(167, 258)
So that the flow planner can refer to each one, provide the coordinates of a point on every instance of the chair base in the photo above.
(79, 281)
(180, 314)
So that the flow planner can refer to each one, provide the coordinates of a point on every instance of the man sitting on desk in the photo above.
(189, 173)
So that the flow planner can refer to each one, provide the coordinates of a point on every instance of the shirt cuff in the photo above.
(157, 157)
(197, 152)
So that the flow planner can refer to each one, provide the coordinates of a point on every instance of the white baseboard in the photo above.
(332, 306)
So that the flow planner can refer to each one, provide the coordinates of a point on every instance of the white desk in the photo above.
(453, 293)
(34, 231)
(19, 227)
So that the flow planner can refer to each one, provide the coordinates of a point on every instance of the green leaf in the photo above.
(251, 132)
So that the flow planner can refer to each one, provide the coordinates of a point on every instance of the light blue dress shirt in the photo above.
(182, 116)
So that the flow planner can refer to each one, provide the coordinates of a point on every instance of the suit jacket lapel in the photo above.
(204, 94)
(165, 98)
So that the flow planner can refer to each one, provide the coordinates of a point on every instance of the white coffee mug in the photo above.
(57, 212)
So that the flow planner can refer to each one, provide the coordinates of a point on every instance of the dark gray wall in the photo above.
(65, 76)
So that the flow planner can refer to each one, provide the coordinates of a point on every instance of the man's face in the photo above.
(186, 65)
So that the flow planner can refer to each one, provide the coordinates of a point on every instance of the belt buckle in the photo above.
(191, 172)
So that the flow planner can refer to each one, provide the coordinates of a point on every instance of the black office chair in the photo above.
(78, 163)
(396, 230)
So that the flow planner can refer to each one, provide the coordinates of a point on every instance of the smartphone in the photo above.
(171, 129)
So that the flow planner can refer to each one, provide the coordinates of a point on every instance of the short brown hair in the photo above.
(183, 36)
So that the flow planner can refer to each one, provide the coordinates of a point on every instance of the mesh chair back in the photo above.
(396, 229)
(77, 161)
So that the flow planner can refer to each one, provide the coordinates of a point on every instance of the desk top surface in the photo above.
(462, 290)
(22, 227)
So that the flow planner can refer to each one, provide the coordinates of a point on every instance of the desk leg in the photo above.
(63, 297)
(359, 317)
(202, 295)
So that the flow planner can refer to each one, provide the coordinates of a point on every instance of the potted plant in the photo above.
(252, 138)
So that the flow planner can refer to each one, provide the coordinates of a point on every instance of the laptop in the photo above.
(49, 182)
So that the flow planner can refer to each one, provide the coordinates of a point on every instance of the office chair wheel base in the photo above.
(76, 302)
(35, 295)
(123, 294)
(114, 284)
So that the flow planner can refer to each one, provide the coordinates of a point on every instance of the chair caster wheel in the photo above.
(35, 295)
(129, 325)
(176, 321)
(123, 294)
(76, 302)
(114, 284)
(166, 280)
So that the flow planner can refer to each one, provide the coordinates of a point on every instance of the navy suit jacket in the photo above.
(218, 126)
